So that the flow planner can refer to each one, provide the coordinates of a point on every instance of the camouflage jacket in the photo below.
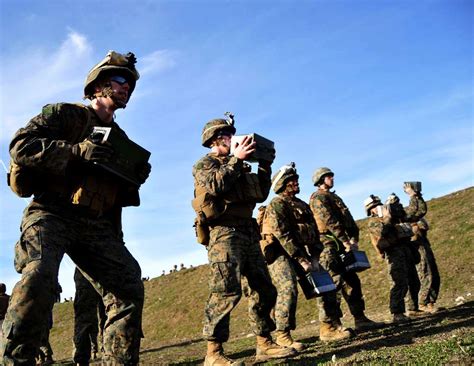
(382, 233)
(44, 145)
(226, 178)
(291, 222)
(333, 217)
(416, 208)
(3, 305)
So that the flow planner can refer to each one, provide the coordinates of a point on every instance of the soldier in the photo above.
(290, 235)
(339, 234)
(76, 209)
(398, 217)
(4, 298)
(386, 241)
(89, 320)
(427, 267)
(225, 184)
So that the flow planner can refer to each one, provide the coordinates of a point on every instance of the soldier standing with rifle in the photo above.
(291, 246)
(427, 267)
(76, 210)
(225, 195)
(339, 234)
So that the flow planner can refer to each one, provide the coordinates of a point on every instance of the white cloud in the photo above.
(37, 77)
(156, 61)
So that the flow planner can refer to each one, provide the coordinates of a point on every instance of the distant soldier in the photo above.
(427, 267)
(398, 217)
(339, 234)
(233, 241)
(4, 298)
(290, 238)
(395, 250)
(89, 321)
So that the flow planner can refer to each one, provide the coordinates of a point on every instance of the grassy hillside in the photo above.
(174, 304)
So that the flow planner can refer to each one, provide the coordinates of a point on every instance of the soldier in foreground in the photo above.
(427, 267)
(290, 238)
(395, 250)
(225, 184)
(339, 234)
(89, 320)
(76, 210)
(4, 299)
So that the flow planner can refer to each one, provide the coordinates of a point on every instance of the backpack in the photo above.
(23, 180)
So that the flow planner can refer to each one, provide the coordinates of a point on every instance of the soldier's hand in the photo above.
(347, 246)
(143, 172)
(306, 264)
(354, 244)
(90, 151)
(245, 148)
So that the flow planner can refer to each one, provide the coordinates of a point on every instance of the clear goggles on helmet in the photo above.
(119, 79)
(225, 134)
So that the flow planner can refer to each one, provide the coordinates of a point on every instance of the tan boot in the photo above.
(267, 349)
(332, 331)
(215, 356)
(363, 323)
(284, 338)
(429, 308)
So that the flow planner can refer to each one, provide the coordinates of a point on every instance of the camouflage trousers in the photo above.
(428, 273)
(401, 270)
(234, 252)
(347, 283)
(284, 279)
(411, 298)
(98, 251)
(89, 319)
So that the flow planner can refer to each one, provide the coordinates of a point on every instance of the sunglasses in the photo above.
(119, 79)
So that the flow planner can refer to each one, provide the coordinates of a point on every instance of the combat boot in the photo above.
(361, 323)
(267, 349)
(400, 318)
(215, 356)
(284, 338)
(429, 308)
(415, 313)
(333, 331)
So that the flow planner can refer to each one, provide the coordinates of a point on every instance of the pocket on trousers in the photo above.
(28, 248)
(224, 278)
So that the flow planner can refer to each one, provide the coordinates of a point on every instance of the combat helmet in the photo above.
(214, 126)
(320, 173)
(371, 202)
(3, 288)
(113, 64)
(285, 173)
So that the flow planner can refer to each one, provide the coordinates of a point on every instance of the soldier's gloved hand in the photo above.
(143, 172)
(90, 151)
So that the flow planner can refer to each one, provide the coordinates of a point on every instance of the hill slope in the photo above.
(174, 305)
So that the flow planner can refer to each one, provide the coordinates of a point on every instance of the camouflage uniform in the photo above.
(336, 225)
(427, 267)
(4, 298)
(52, 226)
(233, 249)
(89, 319)
(399, 260)
(291, 222)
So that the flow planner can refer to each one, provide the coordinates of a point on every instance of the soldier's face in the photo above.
(329, 180)
(223, 144)
(293, 186)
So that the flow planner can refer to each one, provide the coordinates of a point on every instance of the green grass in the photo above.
(174, 304)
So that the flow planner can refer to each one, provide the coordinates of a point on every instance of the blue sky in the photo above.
(379, 91)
